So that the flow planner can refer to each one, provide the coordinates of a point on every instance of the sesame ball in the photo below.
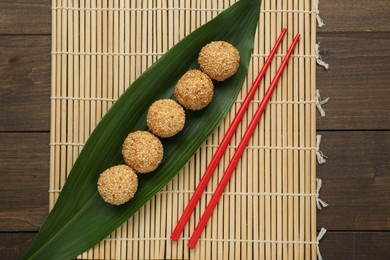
(142, 151)
(219, 60)
(165, 118)
(194, 90)
(118, 184)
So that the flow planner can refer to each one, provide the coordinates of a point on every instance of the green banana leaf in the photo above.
(80, 218)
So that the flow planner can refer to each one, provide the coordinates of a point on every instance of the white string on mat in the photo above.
(106, 53)
(319, 237)
(135, 54)
(320, 203)
(284, 102)
(218, 240)
(84, 98)
(320, 102)
(279, 194)
(302, 102)
(317, 11)
(276, 102)
(66, 143)
(319, 58)
(283, 55)
(153, 9)
(320, 156)
(265, 147)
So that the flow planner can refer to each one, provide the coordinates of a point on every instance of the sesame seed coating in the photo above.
(194, 90)
(165, 118)
(118, 184)
(219, 60)
(142, 151)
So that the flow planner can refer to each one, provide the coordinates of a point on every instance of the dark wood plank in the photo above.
(355, 16)
(34, 17)
(24, 167)
(14, 245)
(24, 83)
(355, 246)
(25, 17)
(356, 180)
(357, 81)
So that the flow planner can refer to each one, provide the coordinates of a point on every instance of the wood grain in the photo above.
(25, 83)
(25, 17)
(355, 245)
(33, 17)
(356, 180)
(355, 16)
(357, 81)
(13, 245)
(24, 164)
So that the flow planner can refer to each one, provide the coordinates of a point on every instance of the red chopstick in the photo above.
(224, 143)
(240, 149)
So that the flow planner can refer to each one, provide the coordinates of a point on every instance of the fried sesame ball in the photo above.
(194, 90)
(219, 60)
(165, 118)
(142, 151)
(118, 184)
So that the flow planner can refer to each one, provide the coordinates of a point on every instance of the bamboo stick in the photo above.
(87, 106)
(183, 184)
(76, 77)
(68, 87)
(63, 169)
(209, 231)
(54, 111)
(228, 211)
(82, 136)
(285, 161)
(290, 142)
(163, 48)
(221, 217)
(261, 92)
(267, 137)
(155, 202)
(207, 249)
(93, 30)
(254, 212)
(302, 171)
(105, 57)
(279, 133)
(106, 246)
(99, 251)
(149, 216)
(57, 166)
(306, 6)
(172, 216)
(99, 61)
(313, 176)
(273, 135)
(218, 227)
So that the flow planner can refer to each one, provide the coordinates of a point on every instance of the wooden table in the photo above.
(356, 129)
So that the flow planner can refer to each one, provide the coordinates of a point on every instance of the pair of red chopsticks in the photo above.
(240, 149)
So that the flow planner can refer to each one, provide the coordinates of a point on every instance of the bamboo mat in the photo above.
(268, 210)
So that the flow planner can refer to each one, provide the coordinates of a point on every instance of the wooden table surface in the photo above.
(356, 130)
